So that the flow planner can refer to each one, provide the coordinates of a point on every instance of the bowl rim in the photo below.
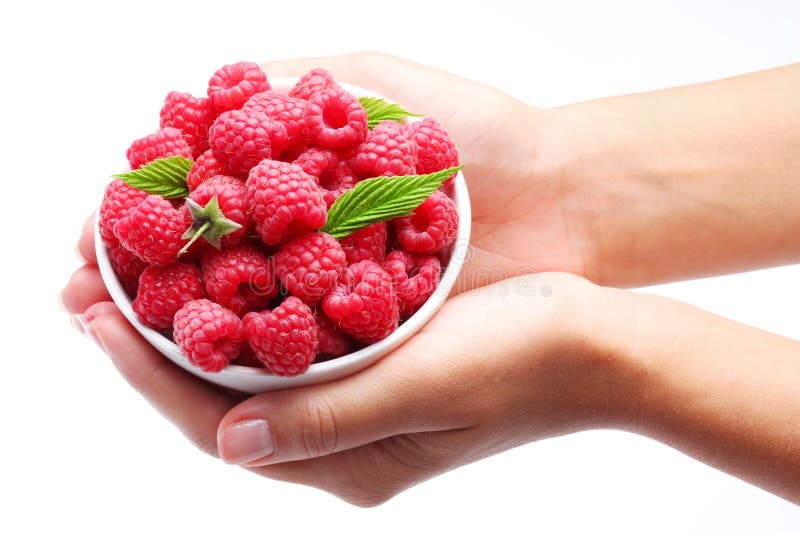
(317, 372)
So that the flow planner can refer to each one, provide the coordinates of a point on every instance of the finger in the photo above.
(85, 287)
(371, 474)
(403, 393)
(194, 406)
(86, 242)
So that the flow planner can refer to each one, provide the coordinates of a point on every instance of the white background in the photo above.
(80, 450)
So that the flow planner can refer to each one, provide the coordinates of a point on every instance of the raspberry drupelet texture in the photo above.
(284, 201)
(204, 167)
(118, 199)
(239, 278)
(152, 230)
(435, 149)
(433, 225)
(127, 267)
(334, 175)
(286, 110)
(335, 119)
(388, 150)
(191, 115)
(364, 303)
(163, 291)
(231, 86)
(284, 339)
(230, 196)
(313, 82)
(239, 139)
(165, 142)
(416, 277)
(209, 335)
(310, 265)
(369, 243)
(331, 341)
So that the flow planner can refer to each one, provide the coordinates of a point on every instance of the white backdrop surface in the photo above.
(81, 451)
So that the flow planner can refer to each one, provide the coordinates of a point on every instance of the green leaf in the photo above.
(164, 176)
(379, 199)
(379, 110)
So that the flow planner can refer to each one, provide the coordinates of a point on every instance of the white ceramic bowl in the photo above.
(252, 380)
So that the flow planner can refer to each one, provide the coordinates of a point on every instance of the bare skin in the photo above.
(624, 191)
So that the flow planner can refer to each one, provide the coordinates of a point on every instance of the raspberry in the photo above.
(310, 265)
(285, 339)
(435, 149)
(241, 138)
(247, 358)
(284, 201)
(230, 196)
(239, 278)
(287, 110)
(165, 142)
(434, 225)
(335, 119)
(333, 175)
(163, 291)
(192, 116)
(118, 199)
(313, 82)
(203, 168)
(127, 267)
(416, 278)
(364, 303)
(231, 86)
(388, 150)
(369, 243)
(152, 230)
(331, 341)
(209, 335)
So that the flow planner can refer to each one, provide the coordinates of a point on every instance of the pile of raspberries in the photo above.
(278, 293)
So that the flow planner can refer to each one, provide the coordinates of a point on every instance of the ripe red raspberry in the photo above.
(230, 196)
(240, 139)
(191, 115)
(165, 142)
(231, 86)
(284, 201)
(203, 168)
(310, 265)
(239, 278)
(364, 303)
(152, 230)
(163, 291)
(333, 174)
(127, 267)
(209, 335)
(435, 149)
(388, 150)
(313, 82)
(331, 341)
(434, 225)
(416, 277)
(287, 110)
(118, 199)
(369, 243)
(335, 119)
(284, 339)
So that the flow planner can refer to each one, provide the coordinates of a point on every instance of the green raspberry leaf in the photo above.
(379, 110)
(163, 176)
(380, 199)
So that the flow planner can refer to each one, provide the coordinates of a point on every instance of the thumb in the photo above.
(319, 420)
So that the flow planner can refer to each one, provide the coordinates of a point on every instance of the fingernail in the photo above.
(84, 325)
(246, 441)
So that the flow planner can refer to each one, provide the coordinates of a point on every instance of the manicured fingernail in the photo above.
(246, 441)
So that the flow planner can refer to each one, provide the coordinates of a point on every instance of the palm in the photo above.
(521, 223)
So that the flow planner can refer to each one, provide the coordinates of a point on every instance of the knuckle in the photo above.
(319, 427)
